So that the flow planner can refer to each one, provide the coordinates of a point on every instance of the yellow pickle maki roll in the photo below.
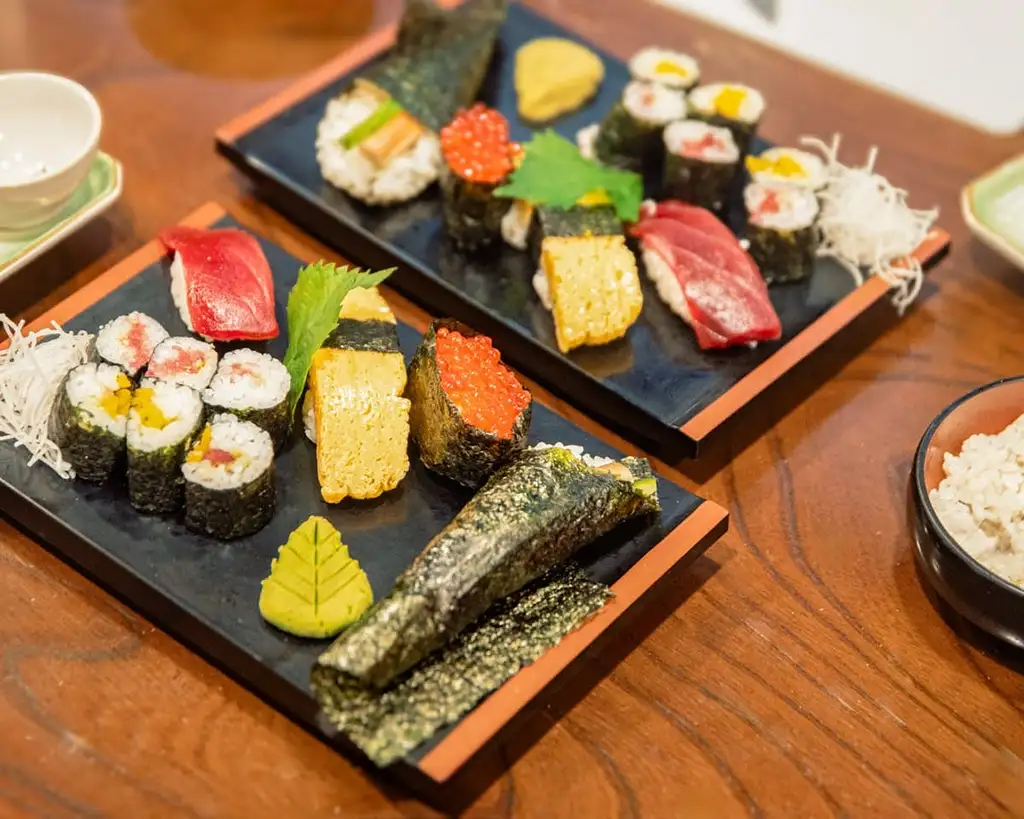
(736, 107)
(788, 166)
(781, 230)
(666, 67)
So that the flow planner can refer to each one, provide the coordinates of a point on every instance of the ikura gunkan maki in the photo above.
(89, 418)
(478, 156)
(469, 411)
(700, 164)
(781, 230)
(128, 341)
(183, 360)
(254, 386)
(162, 424)
(229, 479)
(629, 135)
(736, 107)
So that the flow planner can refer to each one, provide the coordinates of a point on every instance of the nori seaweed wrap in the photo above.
(580, 220)
(534, 513)
(456, 378)
(701, 162)
(629, 134)
(254, 387)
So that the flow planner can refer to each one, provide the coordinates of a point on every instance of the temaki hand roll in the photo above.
(700, 165)
(469, 411)
(254, 386)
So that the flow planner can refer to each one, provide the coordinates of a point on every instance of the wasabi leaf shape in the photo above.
(315, 588)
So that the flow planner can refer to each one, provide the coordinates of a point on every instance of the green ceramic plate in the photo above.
(993, 207)
(98, 191)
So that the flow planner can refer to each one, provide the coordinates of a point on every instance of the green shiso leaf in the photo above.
(369, 126)
(313, 308)
(315, 588)
(554, 173)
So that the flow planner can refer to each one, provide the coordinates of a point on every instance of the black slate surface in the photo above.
(205, 591)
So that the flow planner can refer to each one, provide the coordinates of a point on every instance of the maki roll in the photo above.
(629, 135)
(254, 386)
(183, 360)
(666, 67)
(736, 107)
(469, 411)
(128, 341)
(478, 156)
(229, 479)
(162, 424)
(534, 513)
(781, 230)
(89, 418)
(788, 166)
(701, 163)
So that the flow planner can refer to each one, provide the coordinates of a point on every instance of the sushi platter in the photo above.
(403, 582)
(622, 232)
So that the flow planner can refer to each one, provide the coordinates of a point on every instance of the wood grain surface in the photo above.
(798, 671)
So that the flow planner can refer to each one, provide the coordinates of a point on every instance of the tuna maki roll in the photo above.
(700, 165)
(229, 479)
(128, 341)
(788, 166)
(183, 360)
(781, 230)
(629, 135)
(478, 156)
(254, 386)
(736, 107)
(89, 418)
(666, 67)
(162, 424)
(469, 411)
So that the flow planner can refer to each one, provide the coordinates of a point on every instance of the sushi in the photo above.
(89, 418)
(163, 422)
(736, 107)
(128, 341)
(534, 513)
(469, 411)
(788, 166)
(254, 386)
(354, 409)
(629, 136)
(229, 479)
(478, 156)
(183, 360)
(781, 230)
(666, 67)
(580, 220)
(221, 283)
(701, 162)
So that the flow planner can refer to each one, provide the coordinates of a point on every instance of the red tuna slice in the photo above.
(695, 217)
(229, 287)
(728, 255)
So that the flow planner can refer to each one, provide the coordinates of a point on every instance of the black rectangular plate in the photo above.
(647, 386)
(206, 592)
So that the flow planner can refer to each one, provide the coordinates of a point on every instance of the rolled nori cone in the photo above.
(448, 444)
(534, 513)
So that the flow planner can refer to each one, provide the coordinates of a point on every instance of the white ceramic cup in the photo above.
(49, 134)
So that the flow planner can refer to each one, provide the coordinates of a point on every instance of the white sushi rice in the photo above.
(406, 176)
(540, 286)
(113, 341)
(88, 385)
(980, 502)
(184, 360)
(515, 224)
(665, 282)
(180, 405)
(586, 138)
(814, 172)
(797, 207)
(592, 461)
(251, 447)
(178, 291)
(698, 140)
(662, 65)
(247, 379)
(704, 100)
(654, 104)
(309, 416)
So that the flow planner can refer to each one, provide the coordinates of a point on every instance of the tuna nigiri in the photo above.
(221, 283)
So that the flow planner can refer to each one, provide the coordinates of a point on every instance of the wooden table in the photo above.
(798, 670)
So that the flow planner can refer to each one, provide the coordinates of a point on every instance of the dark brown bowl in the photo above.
(987, 600)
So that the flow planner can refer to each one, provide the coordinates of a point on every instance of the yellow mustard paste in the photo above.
(116, 403)
(785, 166)
(729, 100)
(150, 414)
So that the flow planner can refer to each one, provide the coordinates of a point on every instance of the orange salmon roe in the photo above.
(476, 145)
(486, 393)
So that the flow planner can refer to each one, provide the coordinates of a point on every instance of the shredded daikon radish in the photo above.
(31, 370)
(866, 224)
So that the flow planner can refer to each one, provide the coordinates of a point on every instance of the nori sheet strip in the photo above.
(705, 184)
(93, 452)
(227, 514)
(783, 255)
(386, 725)
(274, 420)
(156, 484)
(440, 59)
(535, 512)
(578, 221)
(472, 213)
(372, 336)
(448, 444)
